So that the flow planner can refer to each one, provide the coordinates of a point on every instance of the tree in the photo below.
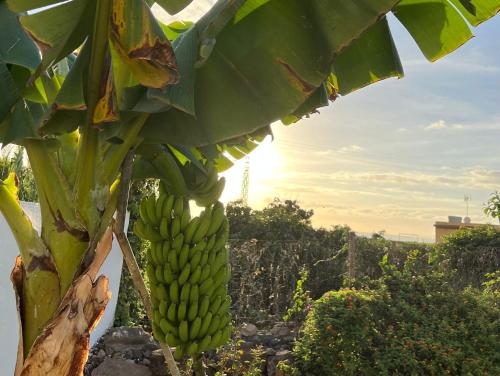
(492, 207)
(84, 82)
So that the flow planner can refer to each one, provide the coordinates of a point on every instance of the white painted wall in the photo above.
(8, 321)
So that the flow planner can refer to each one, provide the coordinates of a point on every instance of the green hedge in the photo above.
(402, 324)
(469, 254)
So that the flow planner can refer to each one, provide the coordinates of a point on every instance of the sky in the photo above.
(395, 156)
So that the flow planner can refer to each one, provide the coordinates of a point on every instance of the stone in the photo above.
(116, 367)
(280, 329)
(101, 354)
(269, 351)
(130, 342)
(248, 330)
(157, 363)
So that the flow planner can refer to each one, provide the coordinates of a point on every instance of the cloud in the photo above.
(350, 149)
(440, 124)
(401, 130)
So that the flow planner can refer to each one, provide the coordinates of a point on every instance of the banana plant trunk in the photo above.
(63, 345)
(60, 297)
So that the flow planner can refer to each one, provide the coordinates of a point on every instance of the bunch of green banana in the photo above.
(188, 269)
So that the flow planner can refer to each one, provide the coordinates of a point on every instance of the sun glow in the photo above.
(265, 163)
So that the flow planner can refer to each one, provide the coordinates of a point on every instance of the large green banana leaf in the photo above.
(276, 55)
(244, 65)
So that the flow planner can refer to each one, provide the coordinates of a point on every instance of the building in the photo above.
(454, 224)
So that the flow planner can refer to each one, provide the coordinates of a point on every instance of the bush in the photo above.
(470, 254)
(402, 324)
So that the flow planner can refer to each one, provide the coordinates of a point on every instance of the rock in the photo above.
(269, 351)
(157, 363)
(248, 330)
(283, 355)
(101, 354)
(130, 342)
(117, 367)
(146, 362)
(280, 329)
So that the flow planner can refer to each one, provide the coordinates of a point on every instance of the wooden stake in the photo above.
(128, 254)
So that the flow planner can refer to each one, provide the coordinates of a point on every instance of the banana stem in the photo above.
(128, 255)
(198, 366)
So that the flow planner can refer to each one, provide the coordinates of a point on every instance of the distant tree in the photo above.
(492, 206)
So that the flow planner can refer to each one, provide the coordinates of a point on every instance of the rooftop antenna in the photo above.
(467, 199)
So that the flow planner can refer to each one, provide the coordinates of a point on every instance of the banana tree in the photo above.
(83, 83)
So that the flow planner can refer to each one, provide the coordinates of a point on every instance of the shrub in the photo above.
(402, 324)
(470, 254)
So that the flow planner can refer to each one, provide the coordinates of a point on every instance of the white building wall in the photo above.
(8, 321)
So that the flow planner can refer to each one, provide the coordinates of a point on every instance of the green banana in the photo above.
(216, 338)
(174, 292)
(172, 312)
(205, 304)
(191, 228)
(206, 285)
(167, 327)
(178, 353)
(202, 229)
(195, 276)
(164, 228)
(192, 348)
(159, 274)
(195, 261)
(163, 308)
(205, 343)
(143, 212)
(140, 229)
(194, 293)
(214, 307)
(178, 241)
(183, 277)
(195, 328)
(173, 261)
(185, 219)
(184, 256)
(185, 292)
(165, 250)
(217, 218)
(211, 242)
(205, 325)
(214, 325)
(193, 311)
(178, 206)
(184, 331)
(151, 210)
(172, 340)
(167, 207)
(181, 312)
(205, 273)
(161, 292)
(159, 205)
(168, 275)
(175, 227)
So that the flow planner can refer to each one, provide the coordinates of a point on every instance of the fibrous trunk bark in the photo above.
(62, 347)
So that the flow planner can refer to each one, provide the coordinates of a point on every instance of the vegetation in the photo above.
(492, 207)
(468, 255)
(404, 323)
